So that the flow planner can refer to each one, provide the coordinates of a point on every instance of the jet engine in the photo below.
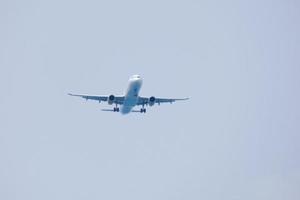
(111, 99)
(151, 101)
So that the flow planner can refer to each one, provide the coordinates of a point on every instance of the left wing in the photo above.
(153, 100)
(114, 99)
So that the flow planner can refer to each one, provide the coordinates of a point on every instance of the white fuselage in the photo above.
(132, 94)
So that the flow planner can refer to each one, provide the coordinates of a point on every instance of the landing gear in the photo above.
(143, 110)
(116, 109)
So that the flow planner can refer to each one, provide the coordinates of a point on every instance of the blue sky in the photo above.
(237, 137)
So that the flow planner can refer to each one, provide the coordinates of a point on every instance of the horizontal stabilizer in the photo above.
(108, 110)
(136, 111)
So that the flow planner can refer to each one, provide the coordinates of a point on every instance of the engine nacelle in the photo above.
(151, 101)
(111, 99)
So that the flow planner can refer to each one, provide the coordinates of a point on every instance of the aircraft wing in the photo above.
(117, 99)
(153, 100)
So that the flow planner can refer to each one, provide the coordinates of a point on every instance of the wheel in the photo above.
(143, 110)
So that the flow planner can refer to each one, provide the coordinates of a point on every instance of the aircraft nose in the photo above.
(136, 77)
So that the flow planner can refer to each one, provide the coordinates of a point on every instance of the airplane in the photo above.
(130, 99)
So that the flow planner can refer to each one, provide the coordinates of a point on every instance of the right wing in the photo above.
(116, 99)
(146, 101)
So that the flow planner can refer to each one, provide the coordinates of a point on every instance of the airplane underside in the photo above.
(130, 99)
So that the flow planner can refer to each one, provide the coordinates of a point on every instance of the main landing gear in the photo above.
(143, 109)
(116, 109)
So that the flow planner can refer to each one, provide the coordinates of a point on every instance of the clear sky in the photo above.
(237, 138)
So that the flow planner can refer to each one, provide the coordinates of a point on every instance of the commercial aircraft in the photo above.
(131, 98)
